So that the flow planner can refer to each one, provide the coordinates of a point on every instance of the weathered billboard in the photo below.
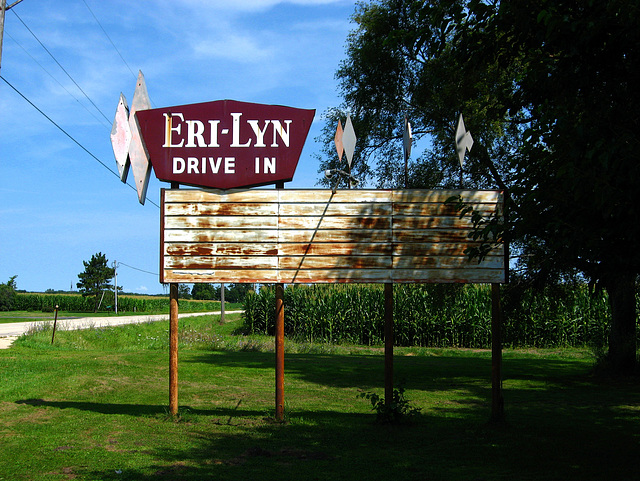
(309, 236)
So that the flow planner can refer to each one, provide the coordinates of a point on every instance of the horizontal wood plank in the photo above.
(221, 222)
(294, 276)
(332, 209)
(335, 262)
(245, 209)
(326, 222)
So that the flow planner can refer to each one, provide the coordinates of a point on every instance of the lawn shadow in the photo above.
(442, 372)
(139, 409)
(318, 445)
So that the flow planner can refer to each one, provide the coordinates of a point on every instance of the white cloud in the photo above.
(249, 5)
(240, 48)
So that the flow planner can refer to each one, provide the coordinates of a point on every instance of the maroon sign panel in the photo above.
(224, 144)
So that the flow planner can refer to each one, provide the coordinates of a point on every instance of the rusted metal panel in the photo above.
(319, 236)
(335, 249)
(434, 222)
(335, 235)
(221, 262)
(343, 209)
(439, 249)
(437, 209)
(245, 209)
(220, 275)
(431, 236)
(445, 262)
(341, 222)
(335, 262)
(441, 196)
(221, 222)
(340, 196)
(223, 249)
(199, 196)
(228, 235)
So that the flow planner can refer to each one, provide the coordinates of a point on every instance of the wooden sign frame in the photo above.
(320, 236)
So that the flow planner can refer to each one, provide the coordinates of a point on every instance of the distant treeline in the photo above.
(432, 315)
(77, 303)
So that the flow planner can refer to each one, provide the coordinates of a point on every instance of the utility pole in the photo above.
(3, 5)
(3, 9)
(115, 287)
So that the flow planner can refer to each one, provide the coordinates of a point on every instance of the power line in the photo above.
(68, 134)
(137, 269)
(110, 41)
(57, 81)
(59, 65)
(135, 76)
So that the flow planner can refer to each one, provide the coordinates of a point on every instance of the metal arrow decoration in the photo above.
(338, 140)
(407, 139)
(121, 138)
(464, 141)
(349, 140)
(128, 148)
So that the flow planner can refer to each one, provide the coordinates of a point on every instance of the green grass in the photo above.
(94, 406)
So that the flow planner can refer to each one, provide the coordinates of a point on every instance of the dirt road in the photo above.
(9, 332)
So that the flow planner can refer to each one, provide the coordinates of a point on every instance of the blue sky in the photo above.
(58, 205)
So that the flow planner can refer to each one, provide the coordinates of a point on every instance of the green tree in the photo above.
(94, 280)
(237, 292)
(8, 294)
(548, 89)
(206, 292)
(183, 291)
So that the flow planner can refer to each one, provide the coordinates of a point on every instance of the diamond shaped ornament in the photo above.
(349, 140)
(121, 138)
(338, 140)
(137, 153)
(464, 141)
(407, 139)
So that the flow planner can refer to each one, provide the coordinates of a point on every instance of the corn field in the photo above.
(434, 315)
(77, 303)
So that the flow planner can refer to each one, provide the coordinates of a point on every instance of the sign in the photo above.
(308, 236)
(224, 144)
(126, 142)
(464, 141)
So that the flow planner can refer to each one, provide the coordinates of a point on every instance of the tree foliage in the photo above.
(237, 292)
(548, 89)
(205, 292)
(8, 294)
(232, 292)
(94, 280)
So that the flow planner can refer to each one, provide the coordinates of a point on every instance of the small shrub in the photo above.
(397, 411)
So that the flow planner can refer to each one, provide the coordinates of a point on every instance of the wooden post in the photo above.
(279, 352)
(55, 322)
(3, 7)
(497, 401)
(222, 319)
(388, 342)
(279, 344)
(173, 348)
